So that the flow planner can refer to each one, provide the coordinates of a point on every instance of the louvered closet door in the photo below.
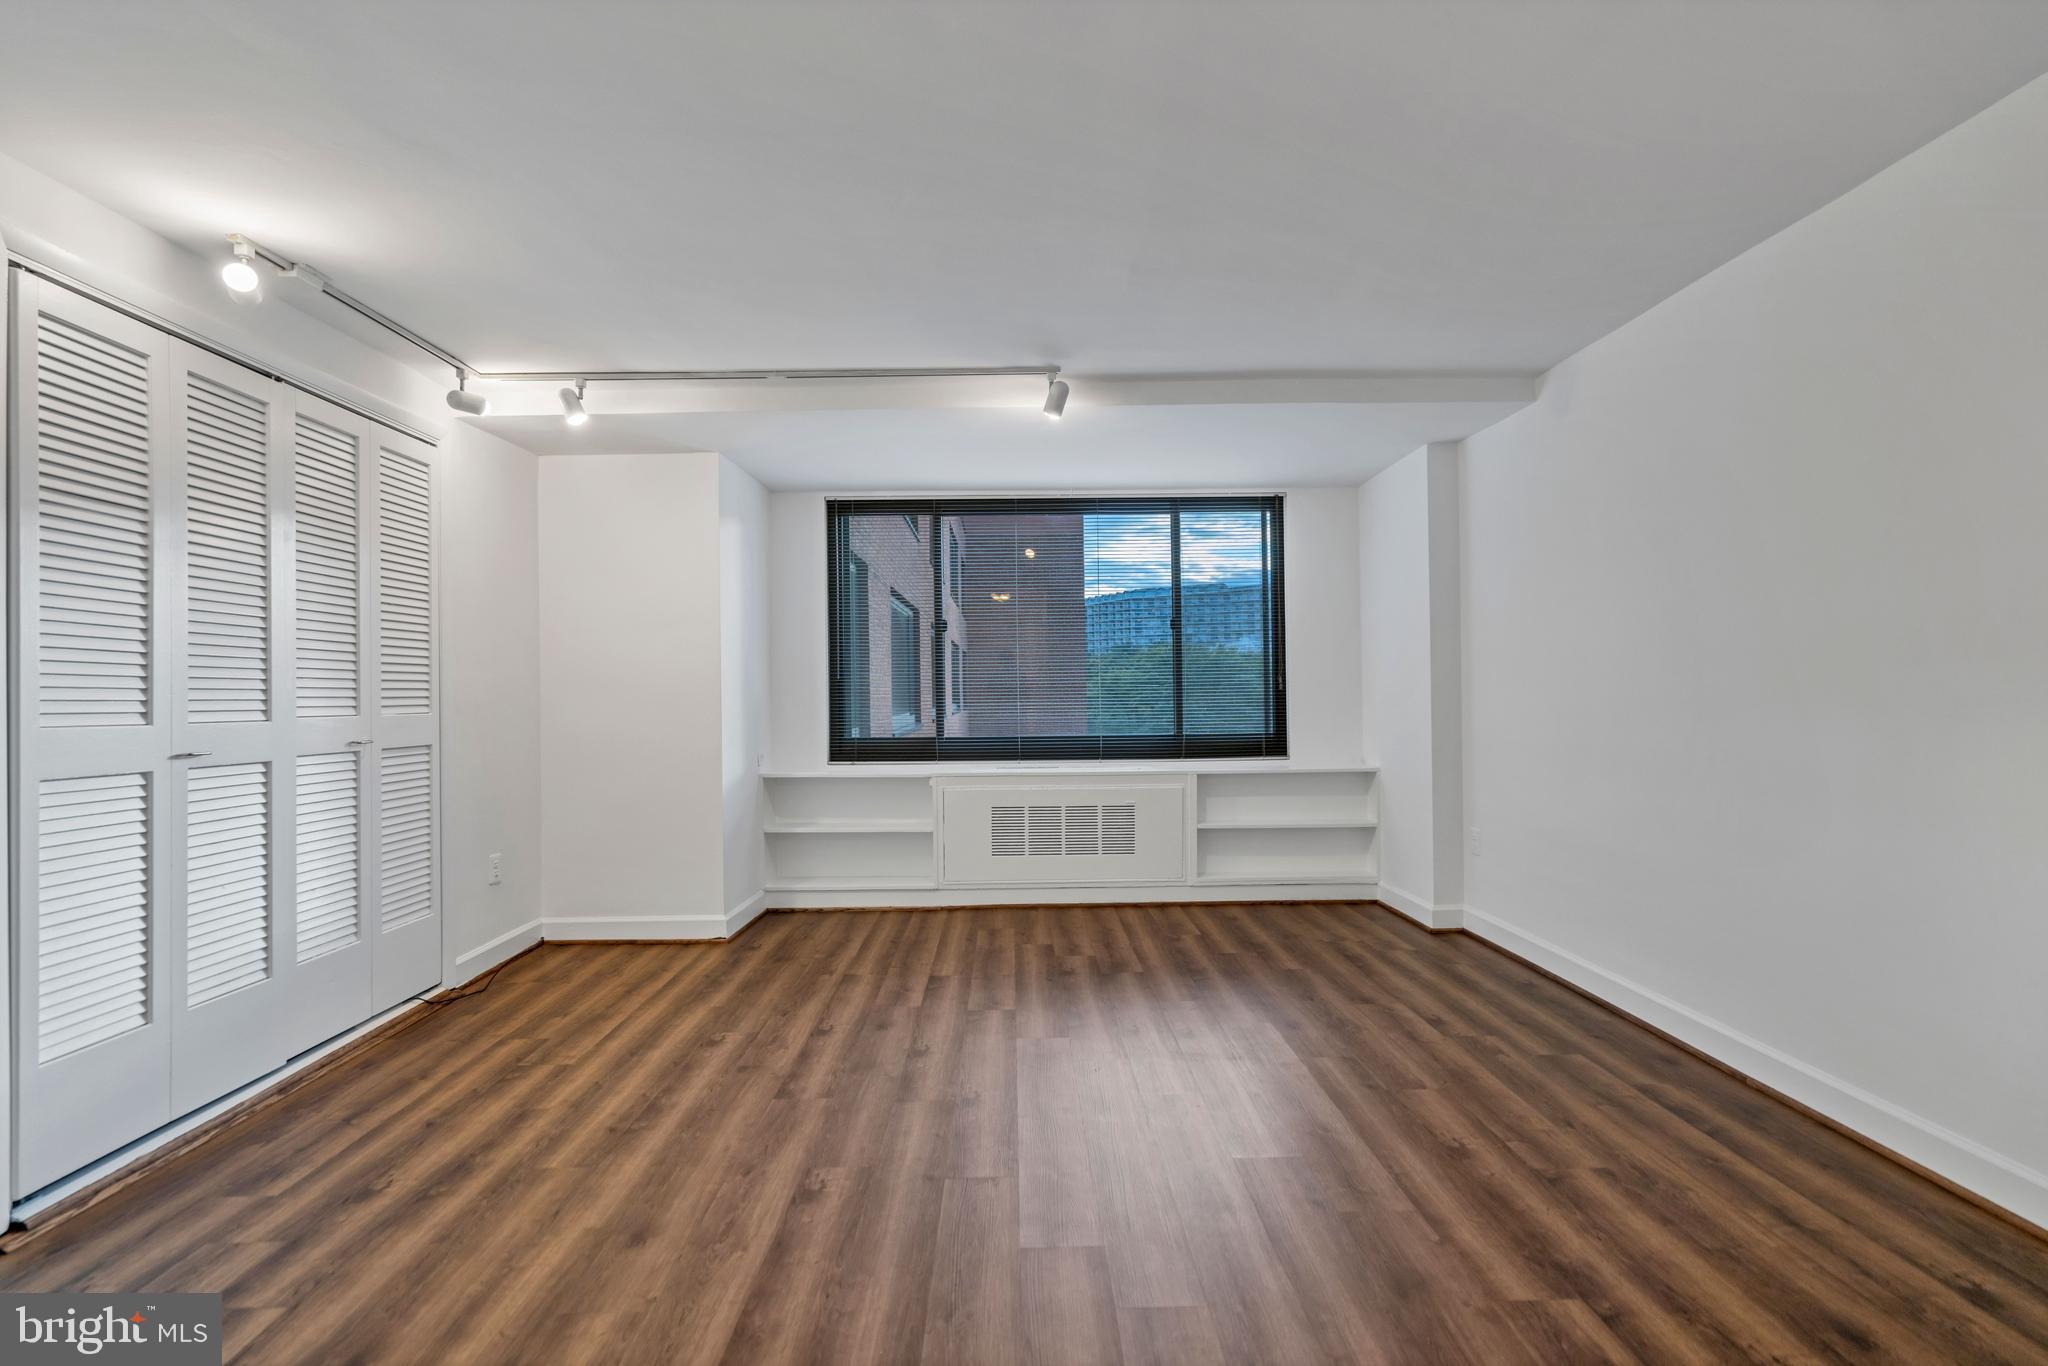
(328, 714)
(226, 477)
(403, 778)
(94, 402)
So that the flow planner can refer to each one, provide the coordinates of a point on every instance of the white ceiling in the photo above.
(1117, 186)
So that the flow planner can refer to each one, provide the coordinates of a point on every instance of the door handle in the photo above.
(194, 754)
(357, 744)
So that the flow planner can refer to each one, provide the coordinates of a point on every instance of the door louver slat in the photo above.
(93, 529)
(405, 666)
(227, 880)
(93, 911)
(329, 853)
(405, 840)
(324, 463)
(227, 495)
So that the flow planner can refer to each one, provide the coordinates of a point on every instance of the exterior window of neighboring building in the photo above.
(854, 631)
(957, 677)
(906, 664)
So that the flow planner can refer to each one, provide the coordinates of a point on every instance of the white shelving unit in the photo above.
(870, 835)
(1304, 826)
(861, 830)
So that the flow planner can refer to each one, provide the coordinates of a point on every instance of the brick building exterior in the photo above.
(890, 641)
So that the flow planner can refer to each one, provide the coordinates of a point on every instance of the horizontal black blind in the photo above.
(1035, 628)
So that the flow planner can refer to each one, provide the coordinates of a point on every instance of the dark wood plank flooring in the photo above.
(1165, 1134)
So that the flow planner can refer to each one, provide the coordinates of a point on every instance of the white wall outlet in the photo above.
(497, 869)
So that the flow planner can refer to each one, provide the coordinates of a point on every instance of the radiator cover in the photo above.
(1044, 834)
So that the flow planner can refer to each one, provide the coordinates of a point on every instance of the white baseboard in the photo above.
(1969, 1164)
(634, 927)
(745, 914)
(484, 957)
(1424, 913)
(1136, 894)
(600, 927)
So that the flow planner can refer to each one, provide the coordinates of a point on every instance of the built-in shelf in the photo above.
(850, 826)
(1275, 880)
(1295, 823)
(867, 830)
(850, 884)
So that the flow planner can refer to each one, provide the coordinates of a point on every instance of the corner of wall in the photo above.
(744, 679)
(6, 759)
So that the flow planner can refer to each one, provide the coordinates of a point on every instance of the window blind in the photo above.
(1069, 628)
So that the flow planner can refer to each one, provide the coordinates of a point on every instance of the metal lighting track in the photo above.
(464, 369)
(870, 372)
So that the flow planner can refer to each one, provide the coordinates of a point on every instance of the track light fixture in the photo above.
(244, 281)
(250, 266)
(1055, 397)
(572, 405)
(463, 401)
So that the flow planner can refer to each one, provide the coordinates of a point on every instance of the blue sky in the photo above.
(1127, 552)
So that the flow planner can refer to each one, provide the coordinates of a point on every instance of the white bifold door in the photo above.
(225, 725)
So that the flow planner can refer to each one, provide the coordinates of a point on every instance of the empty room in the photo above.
(822, 681)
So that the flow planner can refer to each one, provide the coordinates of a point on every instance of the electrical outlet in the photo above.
(497, 869)
(1472, 842)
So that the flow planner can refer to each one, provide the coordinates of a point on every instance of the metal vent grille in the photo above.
(1080, 830)
(1120, 828)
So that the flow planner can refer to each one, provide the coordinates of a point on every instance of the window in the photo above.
(853, 636)
(906, 665)
(1100, 628)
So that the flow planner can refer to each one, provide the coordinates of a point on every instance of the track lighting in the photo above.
(1055, 398)
(572, 405)
(463, 401)
(244, 281)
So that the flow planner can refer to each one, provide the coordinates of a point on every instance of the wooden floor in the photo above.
(1180, 1135)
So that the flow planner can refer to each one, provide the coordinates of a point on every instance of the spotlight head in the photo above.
(239, 274)
(1055, 398)
(463, 401)
(572, 405)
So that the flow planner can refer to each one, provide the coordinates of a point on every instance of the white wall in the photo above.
(633, 841)
(743, 578)
(1757, 665)
(490, 701)
(1408, 526)
(1324, 719)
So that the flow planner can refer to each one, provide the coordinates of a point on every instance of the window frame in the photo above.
(939, 748)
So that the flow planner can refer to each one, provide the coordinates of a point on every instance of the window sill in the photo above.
(885, 769)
